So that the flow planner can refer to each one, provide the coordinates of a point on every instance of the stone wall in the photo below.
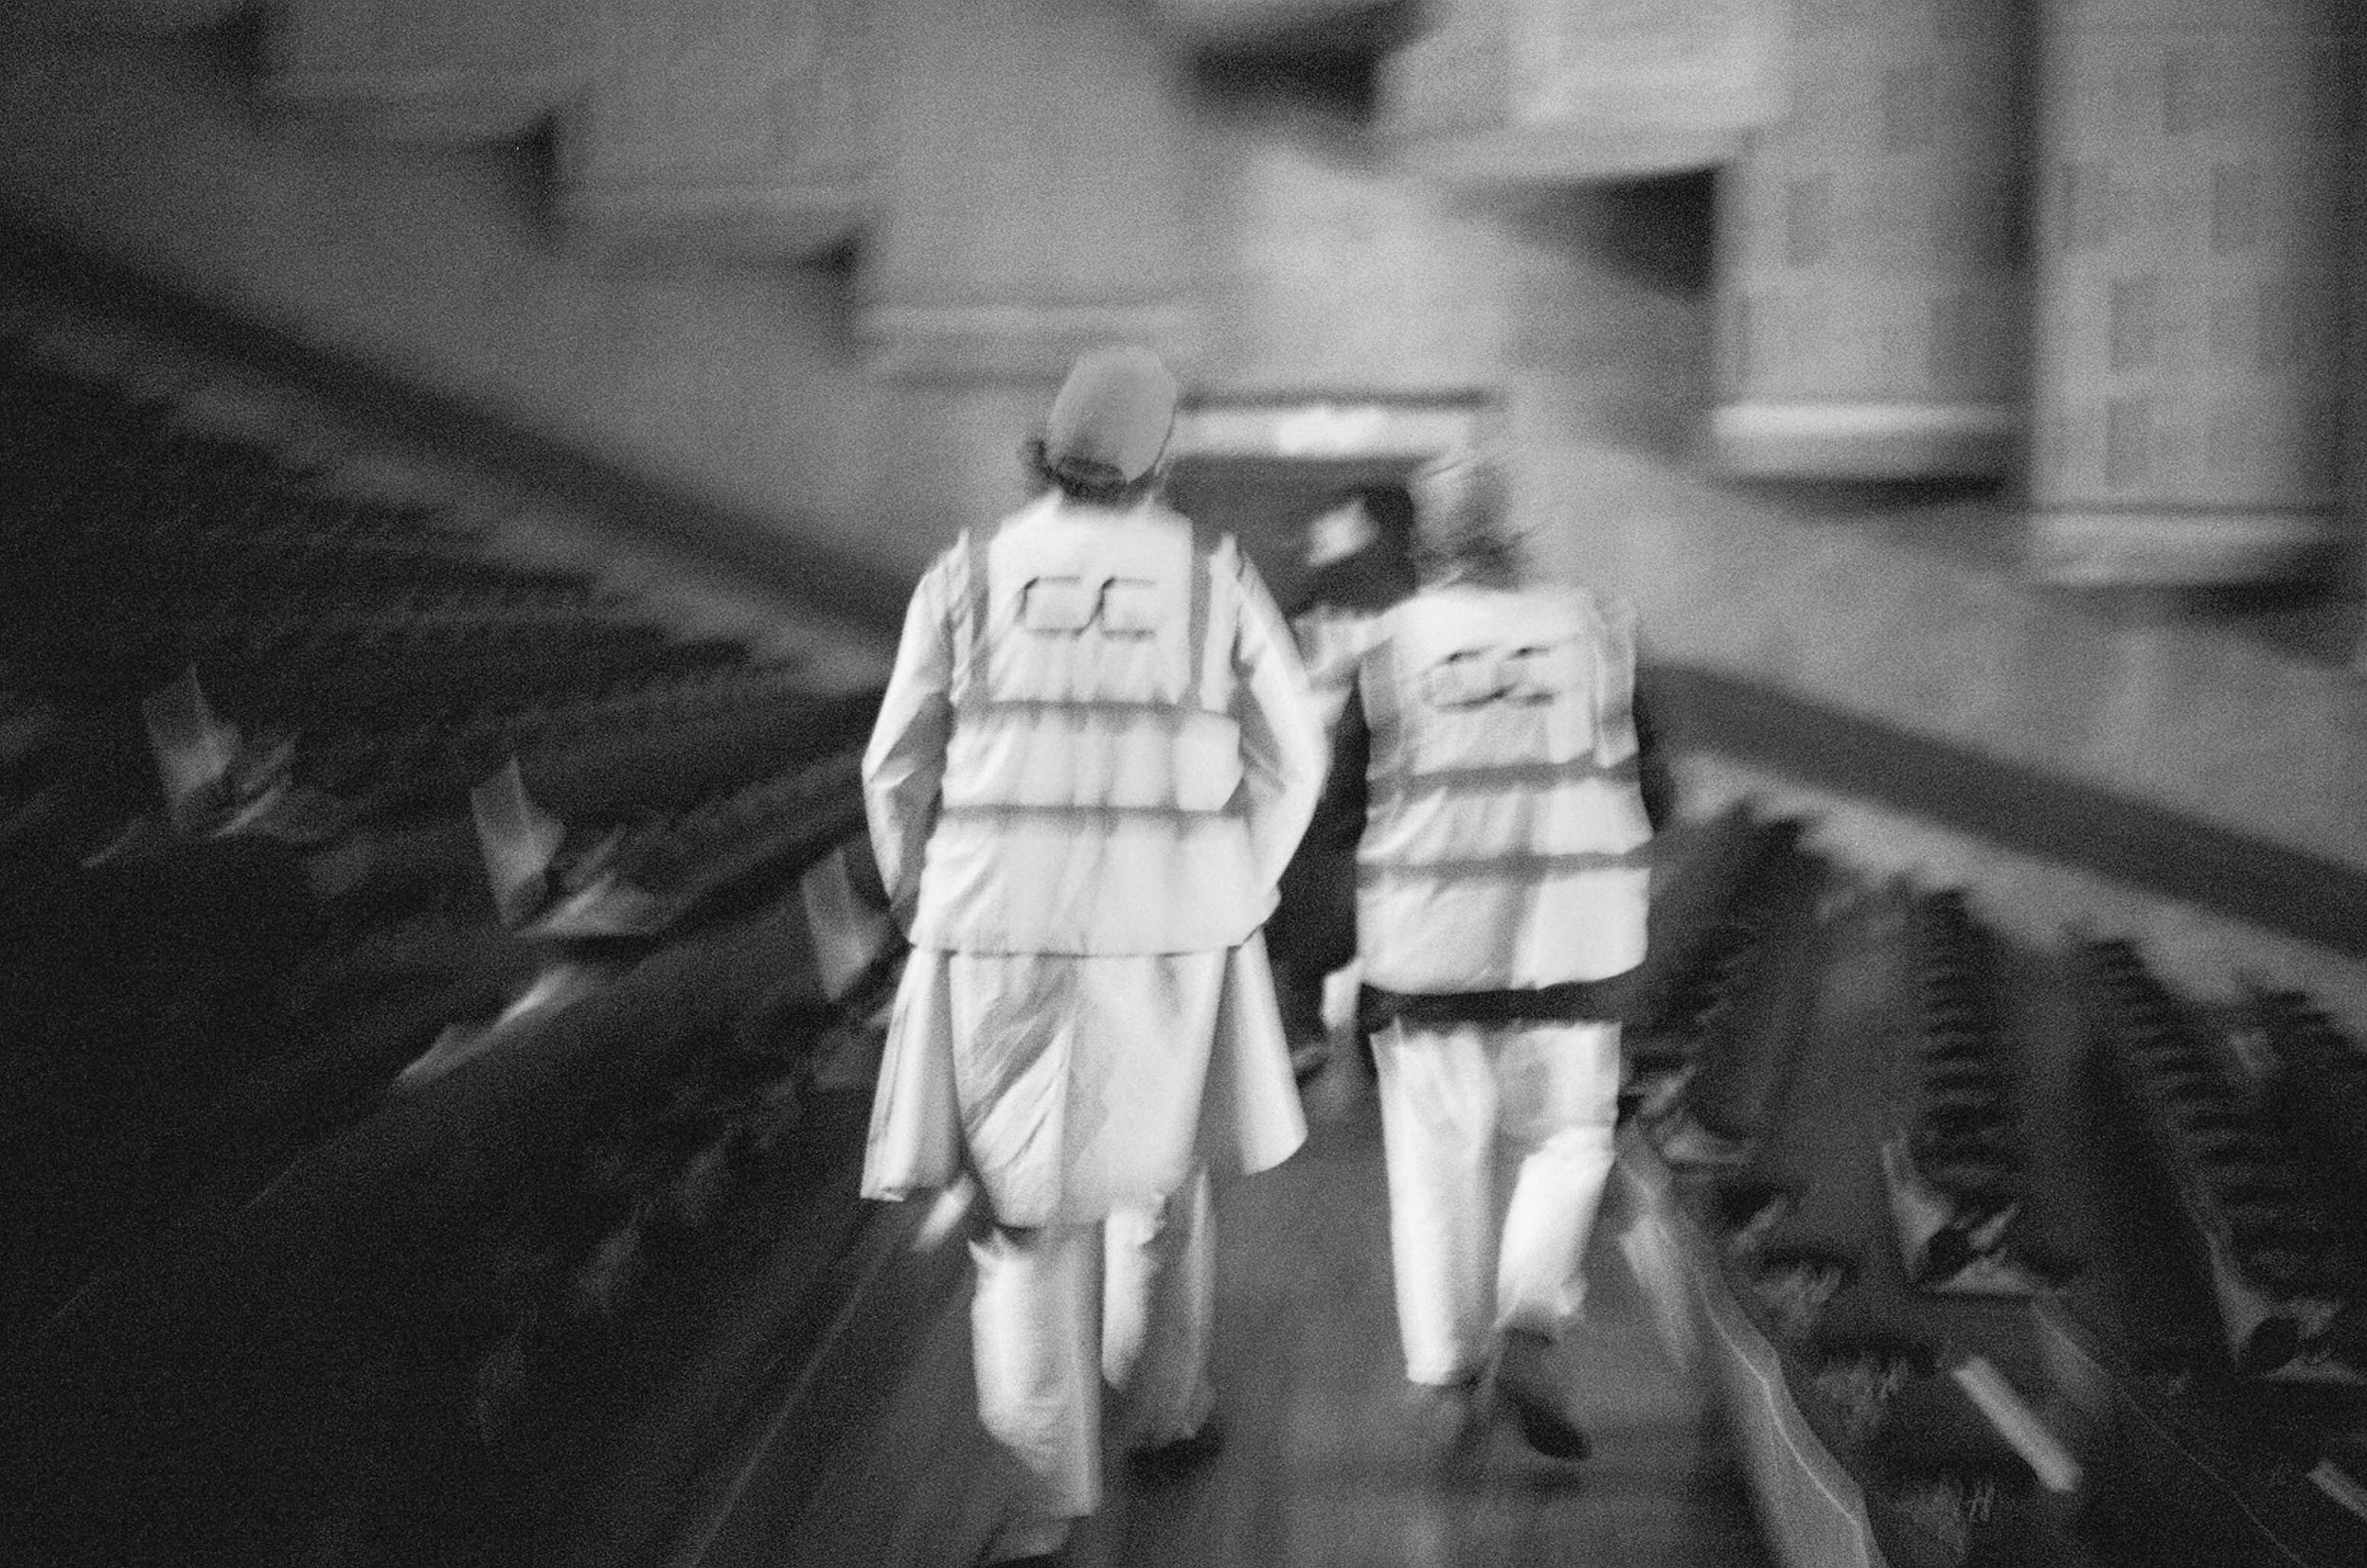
(1589, 312)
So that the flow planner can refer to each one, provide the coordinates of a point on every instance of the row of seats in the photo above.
(533, 1187)
(1716, 1003)
(1837, 1223)
(1955, 1163)
(2286, 1275)
(437, 757)
(2319, 1091)
(2046, 1271)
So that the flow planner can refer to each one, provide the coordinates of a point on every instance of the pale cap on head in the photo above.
(1455, 491)
(1112, 416)
(1462, 521)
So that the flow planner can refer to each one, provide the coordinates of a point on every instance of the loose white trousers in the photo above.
(1043, 1344)
(1464, 1112)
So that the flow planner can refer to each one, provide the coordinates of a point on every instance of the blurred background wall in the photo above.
(1972, 375)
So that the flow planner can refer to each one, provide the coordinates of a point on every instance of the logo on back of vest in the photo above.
(1067, 606)
(1530, 675)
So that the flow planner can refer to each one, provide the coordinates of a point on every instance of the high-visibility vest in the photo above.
(1091, 798)
(1506, 841)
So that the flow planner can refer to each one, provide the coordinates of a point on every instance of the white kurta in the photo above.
(1498, 1145)
(1073, 1086)
(1503, 851)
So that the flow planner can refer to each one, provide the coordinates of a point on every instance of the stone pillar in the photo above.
(1516, 93)
(2192, 290)
(432, 70)
(1039, 191)
(1338, 273)
(1872, 269)
(734, 126)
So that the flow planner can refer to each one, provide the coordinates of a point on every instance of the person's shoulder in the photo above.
(1206, 540)
(948, 560)
(1616, 609)
(1586, 599)
(1221, 549)
(1034, 513)
(1453, 600)
(973, 543)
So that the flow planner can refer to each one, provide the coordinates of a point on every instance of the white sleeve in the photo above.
(1283, 744)
(904, 765)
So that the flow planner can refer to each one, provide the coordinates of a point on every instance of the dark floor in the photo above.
(1322, 1466)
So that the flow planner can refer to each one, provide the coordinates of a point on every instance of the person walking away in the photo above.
(1095, 757)
(1502, 884)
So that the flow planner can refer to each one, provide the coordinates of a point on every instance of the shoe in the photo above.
(1525, 1383)
(1449, 1418)
(1308, 1058)
(1172, 1461)
(1042, 1542)
(1686, 1145)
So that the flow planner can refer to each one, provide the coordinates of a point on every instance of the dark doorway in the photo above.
(1264, 501)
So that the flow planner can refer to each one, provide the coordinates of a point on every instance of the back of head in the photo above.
(1462, 523)
(1108, 426)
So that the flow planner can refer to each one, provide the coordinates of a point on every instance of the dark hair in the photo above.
(1469, 535)
(1084, 481)
(1483, 554)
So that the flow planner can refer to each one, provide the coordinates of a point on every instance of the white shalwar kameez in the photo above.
(1095, 755)
(1504, 860)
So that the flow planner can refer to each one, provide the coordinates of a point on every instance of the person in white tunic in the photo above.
(1502, 880)
(1096, 751)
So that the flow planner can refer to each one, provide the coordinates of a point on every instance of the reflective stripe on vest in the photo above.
(1614, 688)
(1506, 775)
(1376, 685)
(1113, 711)
(1196, 622)
(1521, 867)
(1109, 817)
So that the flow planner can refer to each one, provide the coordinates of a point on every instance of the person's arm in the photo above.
(904, 764)
(1282, 732)
(1339, 813)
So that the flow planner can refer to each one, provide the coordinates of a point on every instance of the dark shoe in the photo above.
(1308, 1058)
(1450, 1418)
(1525, 1383)
(1175, 1460)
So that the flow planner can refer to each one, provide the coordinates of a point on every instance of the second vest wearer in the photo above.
(1506, 841)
